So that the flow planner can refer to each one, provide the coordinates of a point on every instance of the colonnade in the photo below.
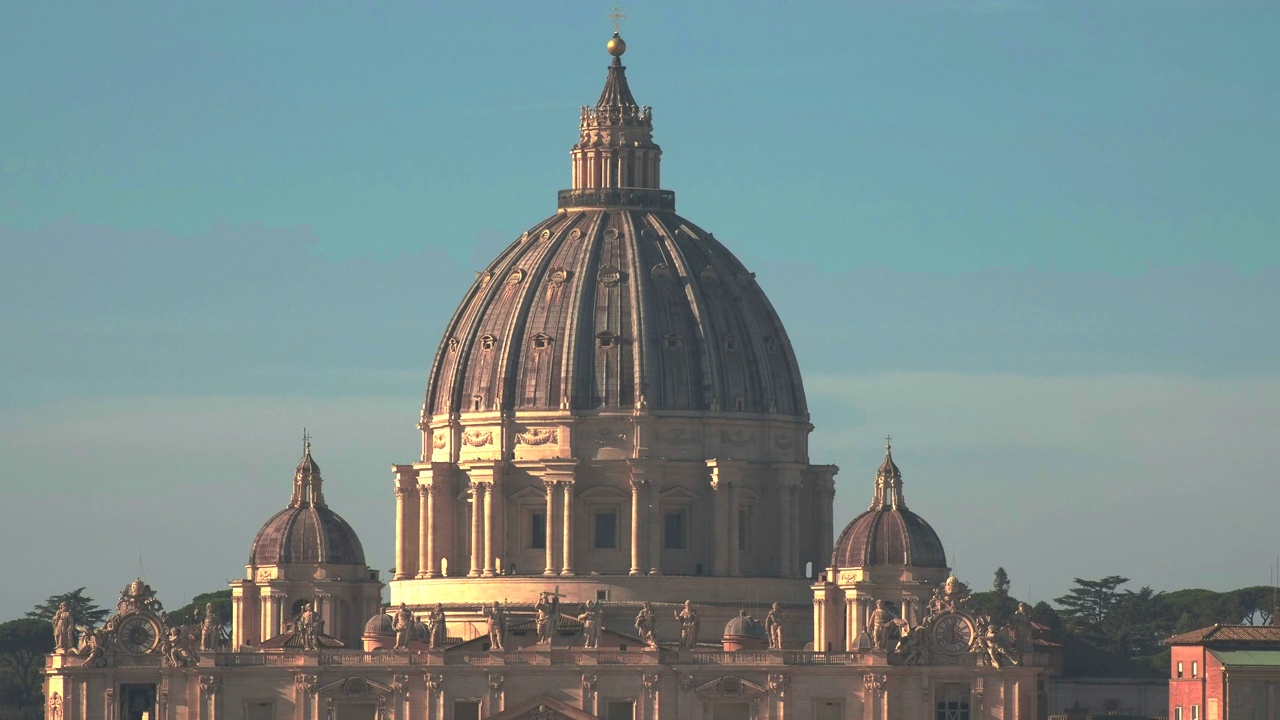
(426, 508)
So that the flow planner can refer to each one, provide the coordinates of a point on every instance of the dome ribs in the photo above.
(532, 263)
(574, 335)
(640, 307)
(615, 309)
(710, 376)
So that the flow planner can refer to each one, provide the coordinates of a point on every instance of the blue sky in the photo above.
(1035, 241)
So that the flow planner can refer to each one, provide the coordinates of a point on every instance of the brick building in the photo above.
(1225, 672)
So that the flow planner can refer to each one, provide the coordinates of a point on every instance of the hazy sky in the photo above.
(1038, 242)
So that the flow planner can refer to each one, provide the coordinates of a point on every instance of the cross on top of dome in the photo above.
(306, 479)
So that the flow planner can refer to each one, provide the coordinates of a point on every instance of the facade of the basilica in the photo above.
(614, 515)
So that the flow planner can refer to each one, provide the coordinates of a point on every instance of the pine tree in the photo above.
(83, 609)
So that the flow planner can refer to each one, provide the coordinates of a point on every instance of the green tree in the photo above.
(1042, 613)
(193, 612)
(83, 609)
(23, 644)
(996, 603)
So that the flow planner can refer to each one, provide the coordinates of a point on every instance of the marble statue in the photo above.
(882, 627)
(548, 607)
(914, 647)
(496, 617)
(773, 623)
(403, 625)
(64, 630)
(438, 624)
(645, 625)
(308, 627)
(210, 628)
(689, 624)
(987, 643)
(177, 648)
(1020, 630)
(93, 648)
(592, 619)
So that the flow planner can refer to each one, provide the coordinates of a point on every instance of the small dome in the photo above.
(307, 531)
(379, 624)
(745, 627)
(888, 537)
(888, 533)
(311, 534)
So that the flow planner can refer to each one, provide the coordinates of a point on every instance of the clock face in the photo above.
(138, 634)
(953, 633)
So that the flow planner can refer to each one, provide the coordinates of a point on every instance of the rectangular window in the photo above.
(1177, 713)
(673, 531)
(538, 531)
(744, 530)
(1195, 669)
(466, 710)
(606, 530)
(1213, 709)
(259, 711)
(1195, 712)
(731, 711)
(828, 710)
(1179, 673)
(620, 710)
(952, 702)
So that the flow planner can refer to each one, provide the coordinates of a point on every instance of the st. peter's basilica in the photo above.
(614, 515)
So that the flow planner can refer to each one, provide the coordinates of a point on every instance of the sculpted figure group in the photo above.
(908, 640)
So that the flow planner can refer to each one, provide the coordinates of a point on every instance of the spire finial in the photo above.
(306, 442)
(616, 45)
(888, 443)
(617, 16)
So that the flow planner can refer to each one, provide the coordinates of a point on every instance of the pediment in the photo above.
(730, 686)
(602, 493)
(529, 494)
(543, 707)
(355, 687)
(679, 494)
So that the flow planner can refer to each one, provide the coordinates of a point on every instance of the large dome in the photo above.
(888, 533)
(616, 308)
(616, 404)
(615, 302)
(307, 531)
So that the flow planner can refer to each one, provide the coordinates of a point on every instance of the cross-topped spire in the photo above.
(306, 479)
(888, 482)
(617, 16)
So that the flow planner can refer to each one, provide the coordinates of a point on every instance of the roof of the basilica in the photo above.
(888, 533)
(306, 531)
(615, 302)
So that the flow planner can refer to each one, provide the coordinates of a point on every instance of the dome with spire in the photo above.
(615, 302)
(306, 531)
(888, 533)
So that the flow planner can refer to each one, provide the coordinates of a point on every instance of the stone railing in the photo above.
(372, 658)
(545, 657)
(251, 659)
(643, 198)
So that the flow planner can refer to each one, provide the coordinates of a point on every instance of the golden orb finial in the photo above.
(616, 46)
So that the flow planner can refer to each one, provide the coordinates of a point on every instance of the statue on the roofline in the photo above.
(773, 624)
(645, 626)
(689, 625)
(496, 618)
